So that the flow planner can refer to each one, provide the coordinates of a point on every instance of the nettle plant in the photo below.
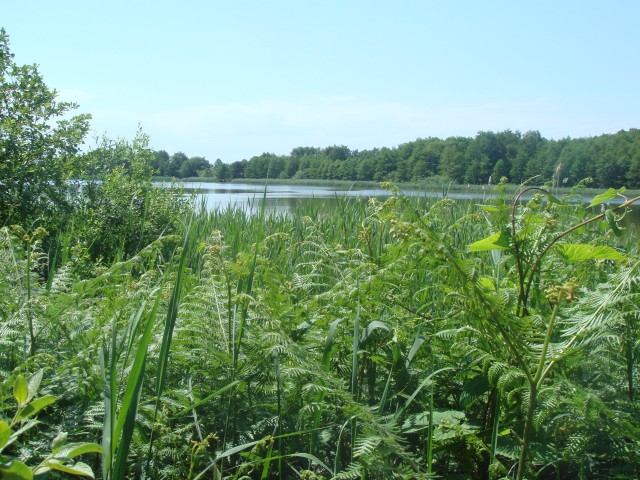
(525, 304)
(536, 296)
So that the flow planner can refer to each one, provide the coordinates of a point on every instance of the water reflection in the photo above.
(290, 198)
(297, 199)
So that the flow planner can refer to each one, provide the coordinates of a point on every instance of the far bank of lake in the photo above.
(292, 198)
(299, 198)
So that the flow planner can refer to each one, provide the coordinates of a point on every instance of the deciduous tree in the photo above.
(38, 142)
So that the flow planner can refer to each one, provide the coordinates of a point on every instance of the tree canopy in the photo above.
(38, 142)
(610, 160)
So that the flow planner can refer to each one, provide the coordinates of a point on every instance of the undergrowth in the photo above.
(410, 338)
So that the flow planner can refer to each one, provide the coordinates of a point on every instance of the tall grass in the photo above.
(362, 342)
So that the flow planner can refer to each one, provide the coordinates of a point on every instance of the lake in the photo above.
(294, 198)
(303, 199)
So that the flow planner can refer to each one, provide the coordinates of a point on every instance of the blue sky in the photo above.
(231, 80)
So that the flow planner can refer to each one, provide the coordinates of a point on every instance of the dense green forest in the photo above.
(143, 336)
(611, 160)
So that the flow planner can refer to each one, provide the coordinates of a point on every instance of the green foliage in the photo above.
(371, 342)
(119, 211)
(62, 453)
(38, 144)
(611, 160)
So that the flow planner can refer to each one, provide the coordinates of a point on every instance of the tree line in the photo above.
(611, 160)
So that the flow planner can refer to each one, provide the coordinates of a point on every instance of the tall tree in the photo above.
(193, 166)
(177, 159)
(38, 145)
(453, 163)
(161, 163)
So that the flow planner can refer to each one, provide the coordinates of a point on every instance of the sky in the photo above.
(230, 80)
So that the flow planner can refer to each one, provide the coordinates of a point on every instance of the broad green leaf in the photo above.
(611, 221)
(21, 390)
(58, 442)
(72, 450)
(575, 252)
(15, 470)
(5, 434)
(126, 418)
(497, 241)
(41, 472)
(77, 469)
(35, 406)
(34, 384)
(603, 197)
(425, 382)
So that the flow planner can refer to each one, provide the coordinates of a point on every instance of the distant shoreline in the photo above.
(430, 185)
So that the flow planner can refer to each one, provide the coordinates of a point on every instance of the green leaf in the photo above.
(27, 426)
(14, 435)
(5, 434)
(77, 469)
(425, 382)
(489, 208)
(370, 328)
(209, 397)
(328, 346)
(497, 241)
(72, 450)
(35, 406)
(420, 421)
(575, 252)
(21, 390)
(417, 343)
(552, 199)
(34, 384)
(603, 197)
(486, 284)
(15, 470)
(58, 442)
(611, 221)
(313, 458)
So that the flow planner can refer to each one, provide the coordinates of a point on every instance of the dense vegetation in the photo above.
(610, 160)
(407, 339)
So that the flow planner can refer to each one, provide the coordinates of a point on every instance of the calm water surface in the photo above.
(291, 198)
(301, 198)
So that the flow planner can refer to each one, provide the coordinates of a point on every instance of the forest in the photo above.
(611, 160)
(145, 336)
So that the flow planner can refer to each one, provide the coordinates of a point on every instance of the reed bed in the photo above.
(386, 339)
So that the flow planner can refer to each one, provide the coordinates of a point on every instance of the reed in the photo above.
(378, 339)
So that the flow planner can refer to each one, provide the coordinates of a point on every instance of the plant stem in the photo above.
(32, 336)
(534, 385)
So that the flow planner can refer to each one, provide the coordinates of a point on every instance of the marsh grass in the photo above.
(365, 342)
